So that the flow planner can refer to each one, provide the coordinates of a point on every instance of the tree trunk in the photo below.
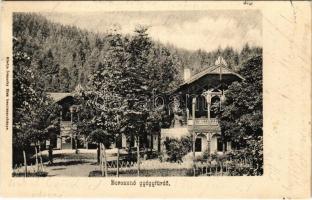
(50, 154)
(138, 155)
(151, 144)
(25, 162)
(37, 162)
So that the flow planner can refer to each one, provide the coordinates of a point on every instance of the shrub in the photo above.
(177, 148)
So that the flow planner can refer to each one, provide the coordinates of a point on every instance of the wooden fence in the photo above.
(219, 168)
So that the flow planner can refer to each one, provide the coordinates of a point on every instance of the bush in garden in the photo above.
(177, 148)
(245, 162)
(248, 161)
(162, 156)
(173, 150)
(205, 155)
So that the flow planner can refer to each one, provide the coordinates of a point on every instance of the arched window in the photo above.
(201, 103)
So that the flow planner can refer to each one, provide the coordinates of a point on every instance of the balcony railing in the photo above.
(203, 122)
(204, 125)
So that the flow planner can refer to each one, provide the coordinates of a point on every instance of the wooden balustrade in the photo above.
(203, 122)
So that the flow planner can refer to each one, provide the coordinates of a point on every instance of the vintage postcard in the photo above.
(156, 99)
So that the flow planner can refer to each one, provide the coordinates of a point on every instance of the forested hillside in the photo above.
(65, 56)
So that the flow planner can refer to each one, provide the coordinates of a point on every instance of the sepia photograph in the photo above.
(155, 99)
(137, 93)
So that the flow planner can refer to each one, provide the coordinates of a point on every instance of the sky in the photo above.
(191, 30)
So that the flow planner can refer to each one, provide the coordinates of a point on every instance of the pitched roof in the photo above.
(212, 70)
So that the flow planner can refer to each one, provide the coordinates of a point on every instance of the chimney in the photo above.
(187, 74)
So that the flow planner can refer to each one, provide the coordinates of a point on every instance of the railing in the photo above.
(203, 122)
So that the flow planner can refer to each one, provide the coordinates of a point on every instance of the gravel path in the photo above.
(69, 164)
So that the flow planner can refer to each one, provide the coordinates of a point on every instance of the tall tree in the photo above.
(33, 110)
(103, 93)
(241, 118)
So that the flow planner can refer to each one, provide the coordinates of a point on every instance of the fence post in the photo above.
(101, 159)
(105, 160)
(37, 163)
(138, 154)
(25, 162)
(40, 156)
(117, 162)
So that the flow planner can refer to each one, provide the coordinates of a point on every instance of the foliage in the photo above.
(33, 111)
(241, 117)
(101, 103)
(252, 156)
(101, 136)
(118, 96)
(177, 148)
(137, 90)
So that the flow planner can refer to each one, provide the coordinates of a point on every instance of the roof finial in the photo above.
(220, 61)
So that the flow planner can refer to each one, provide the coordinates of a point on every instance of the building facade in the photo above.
(67, 137)
(195, 105)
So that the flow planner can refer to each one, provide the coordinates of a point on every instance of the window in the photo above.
(198, 144)
(220, 145)
(119, 142)
(198, 101)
